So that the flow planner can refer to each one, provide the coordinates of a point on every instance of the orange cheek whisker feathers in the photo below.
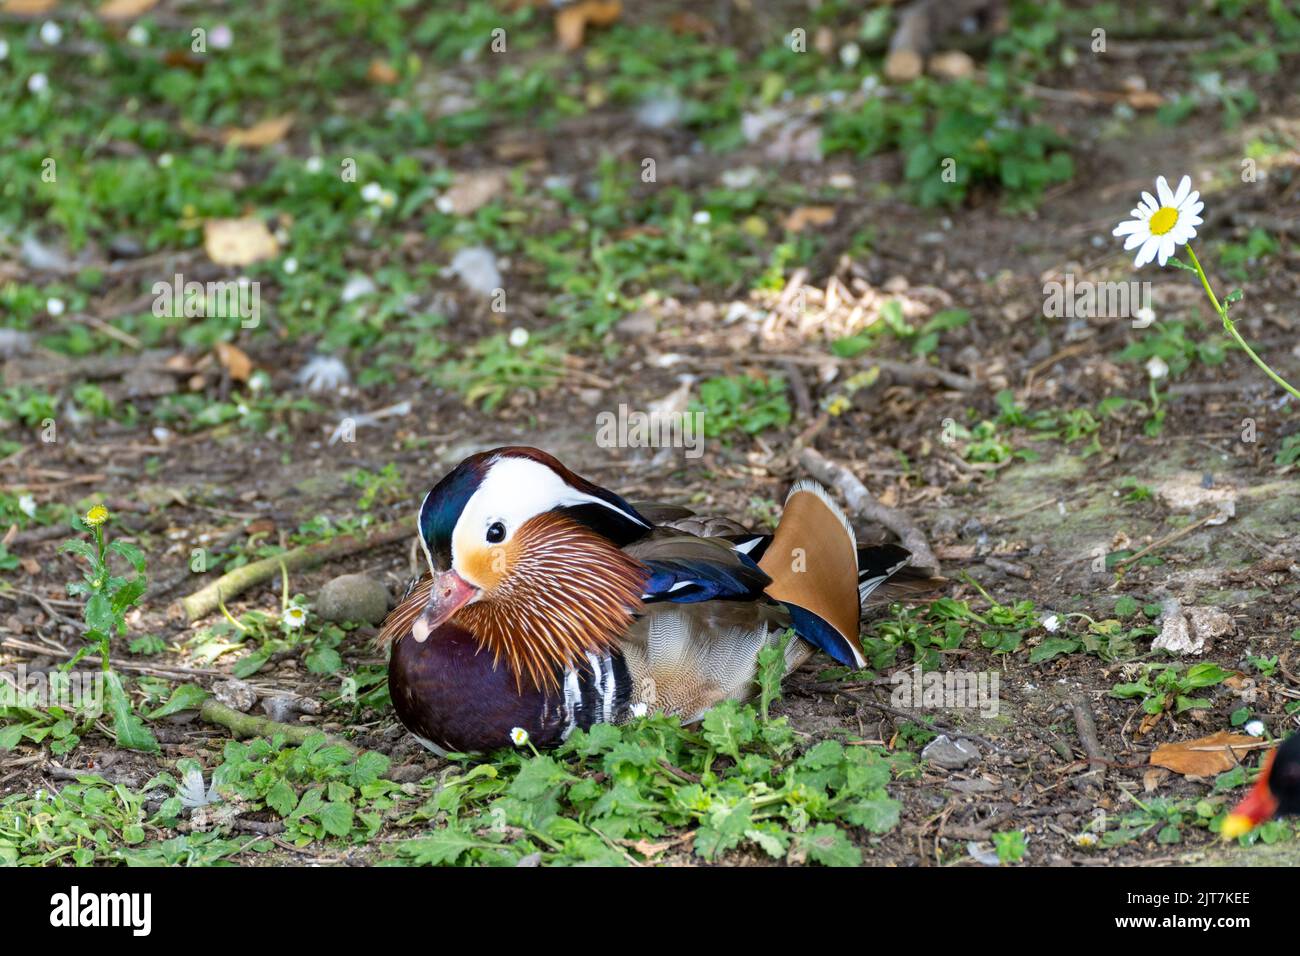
(522, 620)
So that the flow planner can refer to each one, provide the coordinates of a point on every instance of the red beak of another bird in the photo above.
(1259, 805)
(449, 593)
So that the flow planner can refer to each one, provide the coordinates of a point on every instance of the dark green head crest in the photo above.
(442, 506)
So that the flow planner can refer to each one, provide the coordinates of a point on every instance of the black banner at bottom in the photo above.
(306, 905)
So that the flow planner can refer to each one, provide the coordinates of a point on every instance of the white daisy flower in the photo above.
(166, 160)
(221, 37)
(4, 49)
(1161, 226)
(138, 35)
(55, 307)
(51, 33)
(701, 218)
(444, 205)
(519, 337)
(38, 83)
(295, 617)
(27, 505)
(371, 192)
(1051, 623)
(519, 736)
(1144, 317)
(1086, 841)
(314, 164)
(290, 266)
(387, 199)
(1157, 367)
(850, 54)
(1255, 728)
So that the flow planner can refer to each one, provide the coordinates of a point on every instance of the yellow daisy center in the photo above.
(1163, 219)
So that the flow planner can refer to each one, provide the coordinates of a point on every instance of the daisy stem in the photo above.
(1232, 328)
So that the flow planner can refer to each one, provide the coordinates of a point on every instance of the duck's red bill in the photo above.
(449, 593)
(1258, 806)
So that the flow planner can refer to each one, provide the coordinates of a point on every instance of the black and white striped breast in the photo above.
(597, 691)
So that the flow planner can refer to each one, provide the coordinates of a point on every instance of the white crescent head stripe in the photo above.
(514, 490)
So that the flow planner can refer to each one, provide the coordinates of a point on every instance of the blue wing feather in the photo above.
(722, 576)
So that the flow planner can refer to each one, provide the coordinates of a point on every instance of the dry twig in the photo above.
(205, 601)
(1086, 724)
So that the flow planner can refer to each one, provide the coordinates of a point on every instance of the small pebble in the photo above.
(353, 597)
(476, 267)
(285, 709)
(235, 694)
(356, 287)
(950, 754)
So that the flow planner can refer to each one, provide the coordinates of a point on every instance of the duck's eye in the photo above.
(496, 532)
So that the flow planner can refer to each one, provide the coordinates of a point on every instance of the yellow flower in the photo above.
(96, 516)
(838, 405)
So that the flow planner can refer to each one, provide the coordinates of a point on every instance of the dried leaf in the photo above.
(903, 65)
(514, 148)
(260, 134)
(381, 73)
(1152, 779)
(471, 191)
(27, 8)
(640, 229)
(806, 216)
(185, 60)
(1145, 100)
(572, 21)
(649, 849)
(951, 65)
(685, 23)
(238, 242)
(954, 552)
(125, 9)
(1206, 756)
(235, 361)
(161, 496)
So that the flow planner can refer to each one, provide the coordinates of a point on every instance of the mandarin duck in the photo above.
(1276, 793)
(553, 604)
